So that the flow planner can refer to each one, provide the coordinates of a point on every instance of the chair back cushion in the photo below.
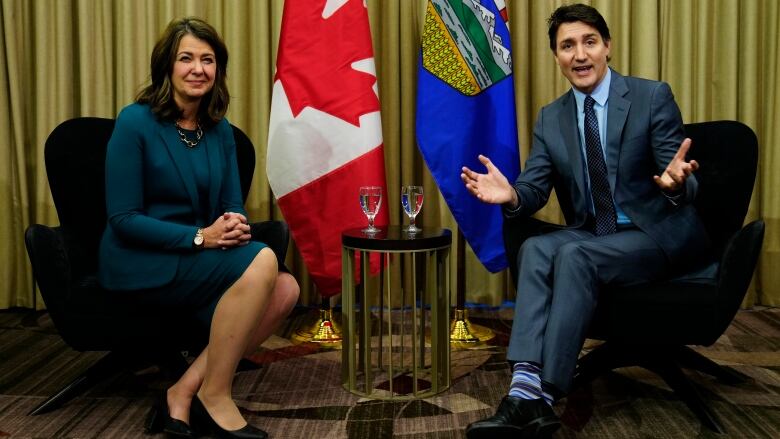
(727, 152)
(245, 155)
(75, 155)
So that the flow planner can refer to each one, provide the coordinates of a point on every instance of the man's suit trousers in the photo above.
(559, 278)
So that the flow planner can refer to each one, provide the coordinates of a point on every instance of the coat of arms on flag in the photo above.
(461, 46)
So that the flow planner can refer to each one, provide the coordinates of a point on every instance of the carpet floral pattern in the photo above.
(296, 391)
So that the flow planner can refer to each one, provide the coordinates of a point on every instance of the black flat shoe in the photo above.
(159, 420)
(177, 428)
(516, 418)
(204, 423)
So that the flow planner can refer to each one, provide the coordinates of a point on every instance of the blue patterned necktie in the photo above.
(597, 171)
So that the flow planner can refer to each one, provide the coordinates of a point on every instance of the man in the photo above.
(614, 149)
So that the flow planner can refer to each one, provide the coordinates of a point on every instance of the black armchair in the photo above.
(651, 325)
(64, 262)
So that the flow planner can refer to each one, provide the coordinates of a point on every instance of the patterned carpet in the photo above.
(296, 391)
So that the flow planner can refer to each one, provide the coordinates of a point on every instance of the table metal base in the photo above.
(396, 352)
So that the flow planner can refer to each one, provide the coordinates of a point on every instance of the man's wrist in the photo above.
(513, 205)
(675, 197)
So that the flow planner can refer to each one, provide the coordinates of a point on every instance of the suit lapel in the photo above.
(567, 118)
(176, 150)
(617, 112)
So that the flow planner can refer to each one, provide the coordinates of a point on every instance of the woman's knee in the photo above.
(267, 260)
(263, 269)
(288, 290)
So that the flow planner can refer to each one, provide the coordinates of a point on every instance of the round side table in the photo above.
(389, 357)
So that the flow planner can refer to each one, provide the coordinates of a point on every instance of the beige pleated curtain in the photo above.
(66, 58)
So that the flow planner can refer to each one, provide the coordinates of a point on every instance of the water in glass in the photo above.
(370, 202)
(412, 200)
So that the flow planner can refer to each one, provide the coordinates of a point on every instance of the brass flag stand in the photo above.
(463, 333)
(323, 331)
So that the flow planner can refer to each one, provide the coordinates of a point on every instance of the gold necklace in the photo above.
(187, 142)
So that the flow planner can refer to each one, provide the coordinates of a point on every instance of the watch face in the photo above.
(198, 240)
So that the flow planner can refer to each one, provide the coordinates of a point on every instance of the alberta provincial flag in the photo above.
(325, 133)
(466, 107)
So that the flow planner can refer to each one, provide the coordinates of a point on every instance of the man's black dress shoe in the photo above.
(159, 420)
(202, 420)
(516, 418)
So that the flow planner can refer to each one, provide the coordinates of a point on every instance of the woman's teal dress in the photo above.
(202, 277)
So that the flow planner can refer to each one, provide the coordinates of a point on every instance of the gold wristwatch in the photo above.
(198, 240)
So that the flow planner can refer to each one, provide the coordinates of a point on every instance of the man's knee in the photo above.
(535, 247)
(535, 255)
(576, 274)
(573, 255)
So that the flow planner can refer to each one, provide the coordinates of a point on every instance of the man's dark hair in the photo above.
(159, 94)
(577, 12)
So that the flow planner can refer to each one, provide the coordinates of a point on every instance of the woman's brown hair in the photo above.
(159, 94)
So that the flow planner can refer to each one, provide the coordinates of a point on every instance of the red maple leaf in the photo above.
(315, 57)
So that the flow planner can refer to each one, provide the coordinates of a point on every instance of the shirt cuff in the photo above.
(675, 199)
(508, 211)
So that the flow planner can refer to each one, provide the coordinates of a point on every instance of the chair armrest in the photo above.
(275, 234)
(50, 265)
(736, 269)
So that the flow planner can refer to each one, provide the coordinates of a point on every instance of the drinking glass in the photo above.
(370, 202)
(412, 200)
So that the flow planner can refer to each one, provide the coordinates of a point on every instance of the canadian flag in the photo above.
(325, 132)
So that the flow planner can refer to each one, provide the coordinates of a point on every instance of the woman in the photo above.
(177, 233)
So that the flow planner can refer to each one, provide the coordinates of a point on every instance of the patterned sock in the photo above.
(526, 383)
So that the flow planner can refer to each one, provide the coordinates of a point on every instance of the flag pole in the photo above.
(462, 331)
(323, 331)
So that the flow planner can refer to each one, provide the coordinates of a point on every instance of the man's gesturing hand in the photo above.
(673, 178)
(492, 187)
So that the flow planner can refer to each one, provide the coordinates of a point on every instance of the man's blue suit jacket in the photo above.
(152, 201)
(644, 131)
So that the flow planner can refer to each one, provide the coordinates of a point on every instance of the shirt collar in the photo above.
(600, 94)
